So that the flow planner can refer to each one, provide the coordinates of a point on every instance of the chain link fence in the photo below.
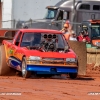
(44, 24)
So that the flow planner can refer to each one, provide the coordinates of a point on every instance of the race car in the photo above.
(39, 51)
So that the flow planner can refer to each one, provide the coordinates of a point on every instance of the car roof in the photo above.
(41, 30)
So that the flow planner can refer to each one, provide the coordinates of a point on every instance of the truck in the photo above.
(75, 11)
(40, 51)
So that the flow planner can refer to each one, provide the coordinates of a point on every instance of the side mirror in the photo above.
(65, 15)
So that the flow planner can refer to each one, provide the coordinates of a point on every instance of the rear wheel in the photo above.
(25, 73)
(72, 75)
(4, 68)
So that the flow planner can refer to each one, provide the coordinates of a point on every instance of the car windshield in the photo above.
(41, 39)
(51, 13)
(95, 30)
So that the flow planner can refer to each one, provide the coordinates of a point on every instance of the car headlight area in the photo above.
(36, 58)
(33, 60)
(71, 60)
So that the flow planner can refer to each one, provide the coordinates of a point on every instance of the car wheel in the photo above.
(25, 73)
(4, 68)
(72, 75)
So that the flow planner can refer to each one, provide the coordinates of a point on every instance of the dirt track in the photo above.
(60, 88)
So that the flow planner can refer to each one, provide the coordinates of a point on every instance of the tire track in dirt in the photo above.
(68, 81)
(81, 84)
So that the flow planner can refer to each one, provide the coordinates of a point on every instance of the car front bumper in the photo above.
(41, 69)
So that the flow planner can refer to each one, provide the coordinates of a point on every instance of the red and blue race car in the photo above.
(39, 51)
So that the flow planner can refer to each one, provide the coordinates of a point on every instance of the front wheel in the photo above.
(25, 73)
(72, 75)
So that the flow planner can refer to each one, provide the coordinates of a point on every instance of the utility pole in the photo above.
(73, 4)
(73, 12)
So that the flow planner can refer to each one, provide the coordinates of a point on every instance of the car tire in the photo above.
(25, 73)
(73, 75)
(4, 68)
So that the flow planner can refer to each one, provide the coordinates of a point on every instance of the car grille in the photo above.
(52, 61)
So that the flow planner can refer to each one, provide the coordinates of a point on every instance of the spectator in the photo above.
(72, 36)
(86, 32)
(65, 29)
(69, 26)
(83, 38)
(87, 36)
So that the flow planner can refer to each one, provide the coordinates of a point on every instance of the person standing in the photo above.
(67, 30)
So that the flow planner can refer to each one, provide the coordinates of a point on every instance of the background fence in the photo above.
(44, 24)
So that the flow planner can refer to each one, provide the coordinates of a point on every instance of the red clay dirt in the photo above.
(59, 88)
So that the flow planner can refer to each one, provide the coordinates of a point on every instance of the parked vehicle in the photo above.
(93, 48)
(38, 51)
(75, 11)
(93, 29)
